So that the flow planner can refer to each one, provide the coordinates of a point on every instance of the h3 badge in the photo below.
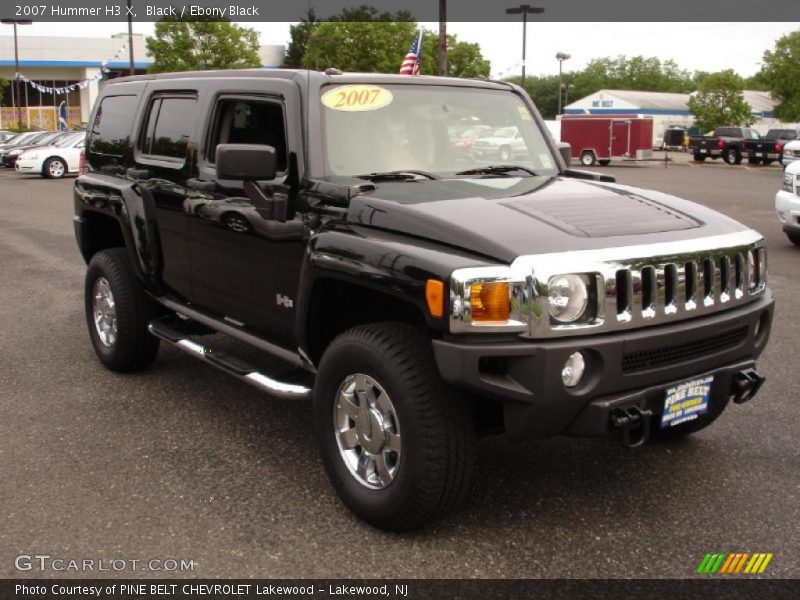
(284, 301)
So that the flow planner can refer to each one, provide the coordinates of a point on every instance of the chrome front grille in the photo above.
(649, 285)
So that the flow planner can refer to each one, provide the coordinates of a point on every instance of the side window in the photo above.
(170, 124)
(109, 138)
(250, 122)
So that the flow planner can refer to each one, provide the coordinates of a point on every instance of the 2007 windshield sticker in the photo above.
(357, 98)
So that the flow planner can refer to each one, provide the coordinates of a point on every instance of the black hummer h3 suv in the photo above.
(421, 294)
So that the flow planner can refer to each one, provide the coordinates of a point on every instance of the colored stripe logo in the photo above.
(734, 563)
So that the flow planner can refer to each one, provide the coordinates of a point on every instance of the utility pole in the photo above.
(17, 97)
(442, 37)
(560, 57)
(131, 70)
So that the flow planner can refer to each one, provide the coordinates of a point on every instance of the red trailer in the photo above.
(601, 138)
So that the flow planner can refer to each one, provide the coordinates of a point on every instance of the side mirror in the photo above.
(565, 150)
(245, 161)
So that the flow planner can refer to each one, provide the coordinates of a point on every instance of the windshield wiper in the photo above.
(497, 170)
(403, 175)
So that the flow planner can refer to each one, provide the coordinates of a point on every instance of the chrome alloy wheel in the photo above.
(56, 168)
(367, 431)
(104, 312)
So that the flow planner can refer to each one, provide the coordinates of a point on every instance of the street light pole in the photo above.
(524, 9)
(17, 100)
(560, 57)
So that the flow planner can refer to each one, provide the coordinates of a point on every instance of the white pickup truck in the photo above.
(787, 200)
(791, 152)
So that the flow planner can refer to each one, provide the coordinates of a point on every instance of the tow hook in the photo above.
(745, 385)
(634, 423)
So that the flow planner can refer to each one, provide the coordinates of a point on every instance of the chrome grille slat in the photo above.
(647, 285)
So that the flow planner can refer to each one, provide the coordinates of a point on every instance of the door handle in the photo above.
(138, 173)
(201, 184)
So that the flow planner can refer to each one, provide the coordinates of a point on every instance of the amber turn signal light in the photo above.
(489, 302)
(434, 294)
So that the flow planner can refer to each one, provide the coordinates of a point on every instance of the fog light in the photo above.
(572, 373)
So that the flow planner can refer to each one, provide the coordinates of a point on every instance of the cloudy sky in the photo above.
(694, 46)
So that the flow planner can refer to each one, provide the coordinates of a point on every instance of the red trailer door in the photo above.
(620, 138)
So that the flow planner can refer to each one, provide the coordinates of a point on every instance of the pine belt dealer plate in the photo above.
(686, 401)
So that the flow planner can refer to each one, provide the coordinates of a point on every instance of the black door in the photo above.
(245, 266)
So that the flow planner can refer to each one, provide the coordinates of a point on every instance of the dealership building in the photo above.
(666, 109)
(73, 69)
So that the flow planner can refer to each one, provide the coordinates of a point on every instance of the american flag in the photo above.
(410, 64)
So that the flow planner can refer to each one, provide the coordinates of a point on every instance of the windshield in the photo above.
(424, 128)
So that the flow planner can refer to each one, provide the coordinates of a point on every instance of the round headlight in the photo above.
(568, 297)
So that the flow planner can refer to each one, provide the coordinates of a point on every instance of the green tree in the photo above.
(649, 74)
(719, 101)
(781, 74)
(180, 45)
(298, 40)
(364, 40)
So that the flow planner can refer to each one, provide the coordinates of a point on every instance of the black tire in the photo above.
(767, 161)
(436, 427)
(699, 157)
(715, 409)
(50, 170)
(604, 162)
(505, 153)
(794, 238)
(732, 156)
(754, 161)
(134, 348)
(587, 158)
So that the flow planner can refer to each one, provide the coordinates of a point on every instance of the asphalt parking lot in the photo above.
(184, 462)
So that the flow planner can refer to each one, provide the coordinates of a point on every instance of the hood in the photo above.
(504, 218)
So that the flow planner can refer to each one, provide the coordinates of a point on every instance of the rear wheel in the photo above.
(118, 312)
(396, 442)
(587, 158)
(54, 168)
(699, 157)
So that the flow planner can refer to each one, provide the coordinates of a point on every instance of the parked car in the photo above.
(465, 141)
(728, 143)
(19, 138)
(9, 156)
(419, 301)
(53, 161)
(770, 148)
(6, 135)
(791, 152)
(787, 202)
(502, 144)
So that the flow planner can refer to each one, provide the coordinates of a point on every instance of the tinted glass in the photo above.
(729, 132)
(112, 126)
(173, 127)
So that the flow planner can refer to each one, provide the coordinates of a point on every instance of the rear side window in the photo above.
(110, 134)
(170, 124)
(729, 132)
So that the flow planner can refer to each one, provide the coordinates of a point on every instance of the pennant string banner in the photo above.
(78, 85)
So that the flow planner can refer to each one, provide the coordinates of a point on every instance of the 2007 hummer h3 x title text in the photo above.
(424, 293)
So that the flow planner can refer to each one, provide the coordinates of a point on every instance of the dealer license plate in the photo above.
(686, 401)
(703, 150)
(759, 155)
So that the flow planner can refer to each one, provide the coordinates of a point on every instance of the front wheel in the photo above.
(396, 442)
(118, 312)
(54, 168)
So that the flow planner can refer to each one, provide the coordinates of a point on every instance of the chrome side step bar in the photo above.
(229, 364)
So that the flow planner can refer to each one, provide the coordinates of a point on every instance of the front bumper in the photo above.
(623, 369)
(787, 207)
(26, 167)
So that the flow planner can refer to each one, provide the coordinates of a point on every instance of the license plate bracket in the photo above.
(686, 401)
